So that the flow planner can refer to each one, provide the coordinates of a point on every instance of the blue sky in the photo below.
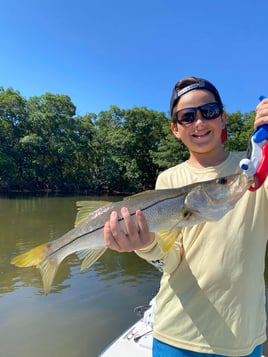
(131, 53)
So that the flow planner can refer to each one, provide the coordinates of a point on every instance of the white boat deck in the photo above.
(137, 340)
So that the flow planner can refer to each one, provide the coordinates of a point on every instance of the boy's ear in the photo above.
(175, 131)
(224, 118)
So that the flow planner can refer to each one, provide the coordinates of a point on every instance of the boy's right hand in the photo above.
(136, 234)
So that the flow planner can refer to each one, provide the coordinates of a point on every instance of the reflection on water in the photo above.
(85, 310)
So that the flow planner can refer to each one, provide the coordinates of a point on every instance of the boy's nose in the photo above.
(198, 116)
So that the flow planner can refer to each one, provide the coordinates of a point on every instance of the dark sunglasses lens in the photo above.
(186, 116)
(210, 111)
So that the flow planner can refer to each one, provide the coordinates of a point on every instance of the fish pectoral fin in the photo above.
(32, 257)
(89, 256)
(167, 238)
(85, 208)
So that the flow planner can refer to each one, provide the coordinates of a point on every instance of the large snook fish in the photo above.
(163, 209)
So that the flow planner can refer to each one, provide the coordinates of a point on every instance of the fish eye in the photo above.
(187, 214)
(222, 180)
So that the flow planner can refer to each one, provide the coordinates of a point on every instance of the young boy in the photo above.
(211, 299)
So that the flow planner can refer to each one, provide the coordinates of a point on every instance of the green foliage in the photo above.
(169, 150)
(239, 128)
(45, 145)
(13, 113)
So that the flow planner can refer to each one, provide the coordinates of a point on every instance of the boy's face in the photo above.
(202, 135)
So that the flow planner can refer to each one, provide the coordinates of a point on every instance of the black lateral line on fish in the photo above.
(119, 220)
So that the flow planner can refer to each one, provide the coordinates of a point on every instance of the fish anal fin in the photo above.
(167, 238)
(89, 256)
(32, 257)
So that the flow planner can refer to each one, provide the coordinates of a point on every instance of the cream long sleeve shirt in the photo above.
(212, 292)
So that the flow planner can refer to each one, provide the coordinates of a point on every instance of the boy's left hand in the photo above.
(261, 113)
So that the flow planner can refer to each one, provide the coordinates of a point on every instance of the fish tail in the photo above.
(39, 258)
(48, 269)
(31, 258)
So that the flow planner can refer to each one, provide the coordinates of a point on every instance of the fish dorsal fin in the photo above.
(89, 256)
(85, 208)
(167, 238)
(140, 194)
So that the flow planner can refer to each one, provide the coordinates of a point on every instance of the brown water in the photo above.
(85, 310)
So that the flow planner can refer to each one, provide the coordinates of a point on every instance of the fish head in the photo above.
(211, 200)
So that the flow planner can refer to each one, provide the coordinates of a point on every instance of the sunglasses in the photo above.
(187, 116)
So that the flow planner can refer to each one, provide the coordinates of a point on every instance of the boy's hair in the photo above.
(190, 83)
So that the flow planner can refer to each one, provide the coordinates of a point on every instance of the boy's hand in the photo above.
(135, 236)
(261, 113)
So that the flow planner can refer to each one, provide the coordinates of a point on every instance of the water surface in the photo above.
(85, 310)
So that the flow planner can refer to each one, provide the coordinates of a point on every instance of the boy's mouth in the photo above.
(201, 135)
